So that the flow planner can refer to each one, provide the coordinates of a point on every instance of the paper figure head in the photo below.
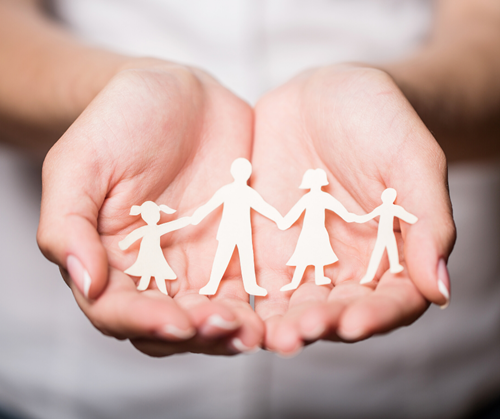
(389, 196)
(150, 212)
(313, 178)
(241, 169)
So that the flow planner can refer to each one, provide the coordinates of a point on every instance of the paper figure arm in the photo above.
(174, 225)
(132, 237)
(262, 207)
(334, 205)
(400, 212)
(293, 215)
(367, 217)
(214, 202)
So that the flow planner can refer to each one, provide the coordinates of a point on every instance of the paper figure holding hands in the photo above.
(235, 229)
(313, 247)
(385, 235)
(151, 262)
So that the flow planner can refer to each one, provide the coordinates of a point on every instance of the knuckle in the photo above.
(45, 241)
(42, 238)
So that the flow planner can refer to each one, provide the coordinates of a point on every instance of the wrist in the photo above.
(100, 67)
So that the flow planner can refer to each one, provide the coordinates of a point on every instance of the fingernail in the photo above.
(215, 325)
(79, 275)
(169, 330)
(314, 333)
(444, 282)
(242, 348)
(351, 334)
(217, 321)
(289, 355)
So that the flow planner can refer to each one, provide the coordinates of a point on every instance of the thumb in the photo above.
(427, 246)
(67, 234)
(429, 242)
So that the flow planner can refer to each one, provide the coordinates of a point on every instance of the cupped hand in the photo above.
(356, 124)
(157, 132)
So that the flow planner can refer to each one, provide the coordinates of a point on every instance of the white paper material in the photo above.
(313, 247)
(235, 229)
(151, 261)
(385, 235)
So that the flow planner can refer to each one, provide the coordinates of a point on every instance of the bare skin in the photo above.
(49, 82)
(387, 146)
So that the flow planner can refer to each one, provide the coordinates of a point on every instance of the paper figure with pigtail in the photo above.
(235, 229)
(313, 247)
(385, 235)
(151, 261)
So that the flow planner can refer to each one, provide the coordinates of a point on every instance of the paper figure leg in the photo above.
(248, 270)
(320, 277)
(222, 257)
(375, 259)
(144, 283)
(160, 283)
(392, 252)
(297, 277)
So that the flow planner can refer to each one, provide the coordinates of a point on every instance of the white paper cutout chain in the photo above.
(235, 230)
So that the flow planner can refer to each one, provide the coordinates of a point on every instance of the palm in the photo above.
(357, 126)
(158, 137)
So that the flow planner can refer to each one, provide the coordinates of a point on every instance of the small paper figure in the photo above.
(235, 229)
(385, 235)
(313, 247)
(151, 262)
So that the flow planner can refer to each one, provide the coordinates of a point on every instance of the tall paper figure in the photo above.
(151, 262)
(313, 247)
(235, 228)
(385, 235)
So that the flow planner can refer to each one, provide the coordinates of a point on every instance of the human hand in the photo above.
(355, 124)
(154, 133)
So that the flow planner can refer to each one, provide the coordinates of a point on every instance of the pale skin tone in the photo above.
(390, 151)
(118, 140)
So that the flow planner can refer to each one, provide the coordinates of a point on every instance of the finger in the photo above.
(276, 302)
(427, 248)
(67, 233)
(429, 242)
(222, 317)
(212, 320)
(270, 338)
(292, 329)
(156, 348)
(217, 336)
(343, 294)
(250, 336)
(123, 312)
(394, 303)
